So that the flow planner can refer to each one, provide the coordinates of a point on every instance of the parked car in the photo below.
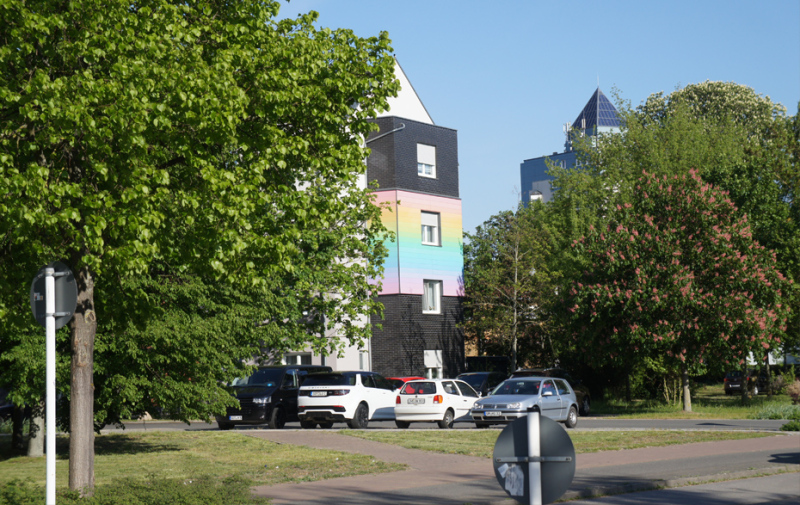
(581, 391)
(734, 381)
(482, 382)
(398, 382)
(351, 397)
(442, 401)
(268, 396)
(513, 397)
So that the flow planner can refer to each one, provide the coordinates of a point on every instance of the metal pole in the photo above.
(534, 452)
(50, 378)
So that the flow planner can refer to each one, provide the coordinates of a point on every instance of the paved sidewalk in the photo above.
(445, 479)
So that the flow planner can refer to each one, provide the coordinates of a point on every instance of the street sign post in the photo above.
(54, 296)
(534, 459)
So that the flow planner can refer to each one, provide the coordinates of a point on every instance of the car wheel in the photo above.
(481, 425)
(326, 426)
(308, 425)
(361, 418)
(277, 420)
(225, 426)
(447, 421)
(572, 418)
(586, 406)
(403, 425)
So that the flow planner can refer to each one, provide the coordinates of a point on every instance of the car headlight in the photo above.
(261, 401)
(516, 405)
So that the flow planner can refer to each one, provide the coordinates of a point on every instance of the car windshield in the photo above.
(330, 379)
(517, 387)
(476, 381)
(267, 377)
(419, 388)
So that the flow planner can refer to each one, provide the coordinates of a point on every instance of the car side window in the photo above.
(562, 387)
(548, 387)
(384, 383)
(466, 389)
(368, 381)
(450, 388)
(289, 380)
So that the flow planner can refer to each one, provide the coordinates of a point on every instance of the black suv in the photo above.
(482, 382)
(269, 396)
(581, 391)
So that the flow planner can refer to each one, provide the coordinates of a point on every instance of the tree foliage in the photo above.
(506, 281)
(677, 274)
(204, 141)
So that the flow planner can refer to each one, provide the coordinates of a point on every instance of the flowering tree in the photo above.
(676, 274)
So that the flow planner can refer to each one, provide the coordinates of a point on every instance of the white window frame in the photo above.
(426, 161)
(431, 289)
(431, 234)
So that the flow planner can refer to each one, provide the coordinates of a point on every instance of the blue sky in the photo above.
(508, 74)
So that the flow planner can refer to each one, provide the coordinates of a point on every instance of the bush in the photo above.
(791, 426)
(778, 412)
(794, 392)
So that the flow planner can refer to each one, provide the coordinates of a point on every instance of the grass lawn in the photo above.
(708, 402)
(181, 456)
(480, 443)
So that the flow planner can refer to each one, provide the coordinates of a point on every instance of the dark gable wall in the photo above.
(393, 161)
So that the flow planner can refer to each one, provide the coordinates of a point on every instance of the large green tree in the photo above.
(506, 280)
(676, 275)
(736, 139)
(206, 137)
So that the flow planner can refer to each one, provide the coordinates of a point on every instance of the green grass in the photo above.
(480, 443)
(708, 402)
(206, 456)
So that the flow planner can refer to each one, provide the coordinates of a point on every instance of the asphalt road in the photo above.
(584, 423)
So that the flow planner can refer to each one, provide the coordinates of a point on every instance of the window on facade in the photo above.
(426, 160)
(432, 297)
(298, 359)
(433, 363)
(430, 228)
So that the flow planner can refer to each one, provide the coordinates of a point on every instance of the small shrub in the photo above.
(791, 426)
(21, 492)
(794, 392)
(778, 412)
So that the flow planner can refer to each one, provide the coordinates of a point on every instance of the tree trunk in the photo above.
(769, 379)
(81, 416)
(687, 394)
(36, 438)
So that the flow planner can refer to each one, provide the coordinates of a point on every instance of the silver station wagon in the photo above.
(512, 398)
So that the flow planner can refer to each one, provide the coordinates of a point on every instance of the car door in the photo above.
(564, 391)
(382, 396)
(468, 398)
(288, 393)
(550, 400)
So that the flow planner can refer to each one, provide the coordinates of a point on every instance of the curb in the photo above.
(600, 491)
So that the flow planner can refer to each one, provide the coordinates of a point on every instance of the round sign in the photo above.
(555, 445)
(66, 294)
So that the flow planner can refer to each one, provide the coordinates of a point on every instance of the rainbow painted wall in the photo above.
(409, 261)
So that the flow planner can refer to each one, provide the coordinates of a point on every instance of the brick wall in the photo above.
(398, 348)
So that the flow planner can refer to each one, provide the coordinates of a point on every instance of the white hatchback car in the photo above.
(439, 400)
(352, 397)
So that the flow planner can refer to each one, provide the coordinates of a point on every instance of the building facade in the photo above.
(599, 116)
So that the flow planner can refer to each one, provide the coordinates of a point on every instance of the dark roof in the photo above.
(599, 111)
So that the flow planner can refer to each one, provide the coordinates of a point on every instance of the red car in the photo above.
(398, 382)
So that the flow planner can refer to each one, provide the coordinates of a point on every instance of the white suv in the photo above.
(354, 397)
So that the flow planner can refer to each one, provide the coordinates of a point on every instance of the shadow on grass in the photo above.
(107, 445)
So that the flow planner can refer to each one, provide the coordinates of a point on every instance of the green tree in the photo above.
(204, 136)
(677, 275)
(506, 281)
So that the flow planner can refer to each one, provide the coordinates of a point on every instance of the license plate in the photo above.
(492, 413)
(319, 393)
(234, 418)
(416, 401)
